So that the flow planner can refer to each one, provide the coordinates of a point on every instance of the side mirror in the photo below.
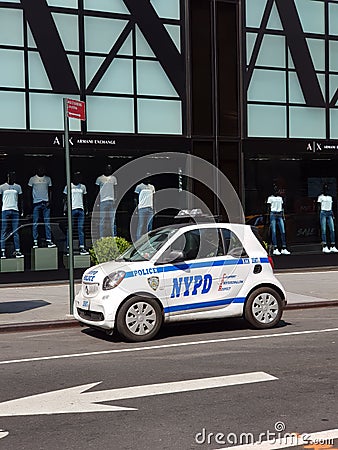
(173, 256)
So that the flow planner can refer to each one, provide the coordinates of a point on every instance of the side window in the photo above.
(211, 244)
(203, 243)
(191, 244)
(232, 244)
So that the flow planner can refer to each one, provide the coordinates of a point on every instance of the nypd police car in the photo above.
(182, 272)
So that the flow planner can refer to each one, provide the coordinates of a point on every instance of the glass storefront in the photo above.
(127, 61)
(91, 163)
(290, 82)
(299, 178)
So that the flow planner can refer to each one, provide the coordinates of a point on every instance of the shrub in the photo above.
(108, 248)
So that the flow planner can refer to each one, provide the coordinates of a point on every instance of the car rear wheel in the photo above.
(263, 308)
(139, 319)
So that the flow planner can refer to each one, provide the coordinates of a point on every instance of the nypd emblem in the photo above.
(154, 282)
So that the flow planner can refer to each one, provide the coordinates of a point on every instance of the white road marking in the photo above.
(290, 441)
(3, 434)
(76, 400)
(157, 347)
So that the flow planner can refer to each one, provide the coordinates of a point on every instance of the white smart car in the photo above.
(182, 272)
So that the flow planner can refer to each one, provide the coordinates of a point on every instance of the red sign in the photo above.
(76, 109)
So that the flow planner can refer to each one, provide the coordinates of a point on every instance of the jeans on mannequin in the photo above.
(145, 221)
(107, 213)
(6, 217)
(276, 218)
(41, 209)
(80, 216)
(326, 219)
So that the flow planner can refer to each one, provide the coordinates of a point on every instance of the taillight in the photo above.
(271, 262)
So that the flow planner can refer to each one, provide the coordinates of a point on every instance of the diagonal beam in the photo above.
(112, 54)
(300, 53)
(160, 42)
(298, 48)
(258, 42)
(52, 52)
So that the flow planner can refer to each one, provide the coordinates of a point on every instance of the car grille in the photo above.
(90, 290)
(90, 315)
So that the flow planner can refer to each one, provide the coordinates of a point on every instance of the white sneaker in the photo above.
(333, 250)
(326, 249)
(18, 254)
(276, 251)
(285, 252)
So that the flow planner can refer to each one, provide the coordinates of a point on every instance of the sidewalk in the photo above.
(47, 305)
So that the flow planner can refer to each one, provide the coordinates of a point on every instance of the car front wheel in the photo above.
(139, 319)
(263, 308)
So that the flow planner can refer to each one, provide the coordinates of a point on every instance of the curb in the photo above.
(31, 326)
(322, 304)
(62, 324)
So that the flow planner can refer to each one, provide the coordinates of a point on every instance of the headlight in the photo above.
(112, 280)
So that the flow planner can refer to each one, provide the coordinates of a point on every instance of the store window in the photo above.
(14, 115)
(109, 53)
(299, 180)
(46, 171)
(291, 68)
(11, 27)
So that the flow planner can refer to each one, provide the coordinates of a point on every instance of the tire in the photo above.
(139, 319)
(263, 308)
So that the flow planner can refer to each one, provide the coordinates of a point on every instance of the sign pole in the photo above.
(69, 207)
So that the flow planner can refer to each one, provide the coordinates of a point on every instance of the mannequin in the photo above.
(144, 199)
(276, 215)
(40, 185)
(107, 182)
(326, 218)
(79, 209)
(12, 209)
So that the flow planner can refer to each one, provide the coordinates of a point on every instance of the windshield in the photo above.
(149, 244)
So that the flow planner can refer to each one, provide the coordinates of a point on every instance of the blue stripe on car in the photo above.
(188, 306)
(196, 265)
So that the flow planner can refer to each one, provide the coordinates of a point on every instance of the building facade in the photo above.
(250, 86)
(290, 94)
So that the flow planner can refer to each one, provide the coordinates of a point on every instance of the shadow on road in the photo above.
(21, 306)
(189, 329)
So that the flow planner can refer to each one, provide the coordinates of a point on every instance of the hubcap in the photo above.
(265, 308)
(141, 318)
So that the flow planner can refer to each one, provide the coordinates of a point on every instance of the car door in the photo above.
(192, 284)
(236, 267)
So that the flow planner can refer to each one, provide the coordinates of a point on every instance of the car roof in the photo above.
(244, 232)
(191, 226)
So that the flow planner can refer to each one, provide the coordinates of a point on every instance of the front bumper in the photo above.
(94, 312)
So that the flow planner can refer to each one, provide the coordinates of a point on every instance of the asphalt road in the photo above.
(289, 375)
